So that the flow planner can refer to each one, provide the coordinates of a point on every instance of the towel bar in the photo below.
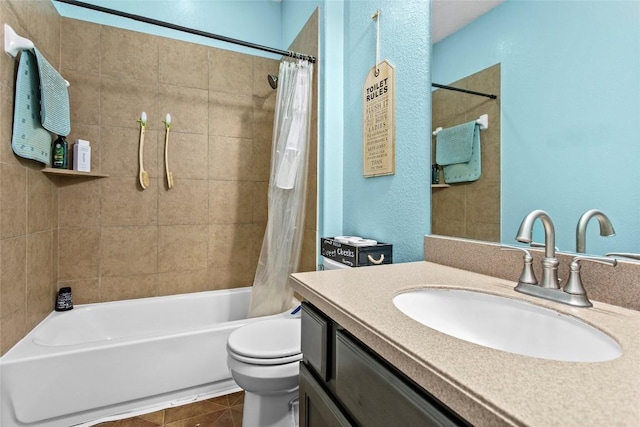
(483, 121)
(13, 44)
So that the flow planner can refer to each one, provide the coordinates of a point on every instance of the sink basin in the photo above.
(507, 324)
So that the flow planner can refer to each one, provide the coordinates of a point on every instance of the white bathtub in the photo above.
(100, 360)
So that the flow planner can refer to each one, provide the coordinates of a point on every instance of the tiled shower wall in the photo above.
(470, 209)
(28, 198)
(118, 241)
(108, 238)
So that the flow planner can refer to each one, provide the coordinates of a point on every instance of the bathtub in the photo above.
(124, 357)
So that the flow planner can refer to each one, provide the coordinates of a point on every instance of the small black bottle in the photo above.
(64, 301)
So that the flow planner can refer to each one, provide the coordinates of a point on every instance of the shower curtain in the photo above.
(282, 244)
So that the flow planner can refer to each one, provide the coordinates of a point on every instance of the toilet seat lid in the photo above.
(267, 339)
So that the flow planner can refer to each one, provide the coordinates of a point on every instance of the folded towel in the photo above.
(454, 144)
(29, 140)
(470, 170)
(54, 98)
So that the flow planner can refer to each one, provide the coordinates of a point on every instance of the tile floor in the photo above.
(223, 411)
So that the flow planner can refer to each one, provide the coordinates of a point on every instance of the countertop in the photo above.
(487, 387)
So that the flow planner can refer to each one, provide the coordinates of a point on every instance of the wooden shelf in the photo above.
(440, 185)
(74, 174)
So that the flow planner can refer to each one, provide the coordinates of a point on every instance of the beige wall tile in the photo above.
(262, 67)
(230, 159)
(257, 238)
(230, 202)
(261, 159)
(308, 257)
(187, 106)
(80, 42)
(13, 210)
(230, 115)
(182, 247)
(14, 328)
(230, 277)
(84, 96)
(13, 275)
(230, 72)
(182, 282)
(260, 203)
(263, 116)
(187, 156)
(129, 54)
(79, 253)
(8, 65)
(186, 203)
(39, 280)
(129, 250)
(79, 203)
(183, 64)
(123, 100)
(128, 287)
(230, 245)
(39, 201)
(6, 122)
(44, 29)
(311, 204)
(123, 202)
(83, 291)
(119, 152)
(40, 283)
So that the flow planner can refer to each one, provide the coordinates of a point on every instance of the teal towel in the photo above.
(29, 140)
(54, 98)
(467, 171)
(454, 144)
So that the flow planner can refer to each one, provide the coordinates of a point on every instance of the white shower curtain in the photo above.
(282, 244)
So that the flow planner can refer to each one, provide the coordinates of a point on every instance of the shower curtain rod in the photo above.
(164, 24)
(463, 90)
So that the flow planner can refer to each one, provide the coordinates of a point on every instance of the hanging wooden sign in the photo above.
(379, 119)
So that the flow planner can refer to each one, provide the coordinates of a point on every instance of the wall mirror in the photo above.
(569, 112)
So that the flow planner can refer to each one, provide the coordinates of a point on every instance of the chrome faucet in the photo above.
(549, 262)
(606, 228)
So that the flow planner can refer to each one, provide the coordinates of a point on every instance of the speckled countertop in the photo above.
(487, 387)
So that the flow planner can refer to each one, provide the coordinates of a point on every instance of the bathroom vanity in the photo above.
(338, 371)
(366, 363)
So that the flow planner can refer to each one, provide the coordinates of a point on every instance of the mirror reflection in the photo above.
(568, 113)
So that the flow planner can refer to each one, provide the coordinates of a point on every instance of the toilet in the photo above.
(264, 358)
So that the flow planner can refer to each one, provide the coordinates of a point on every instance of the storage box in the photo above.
(356, 256)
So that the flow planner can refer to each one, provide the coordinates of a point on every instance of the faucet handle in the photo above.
(527, 276)
(574, 284)
(623, 254)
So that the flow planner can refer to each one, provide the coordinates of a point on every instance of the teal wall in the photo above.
(396, 208)
(570, 90)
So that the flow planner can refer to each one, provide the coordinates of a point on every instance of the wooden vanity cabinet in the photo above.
(344, 383)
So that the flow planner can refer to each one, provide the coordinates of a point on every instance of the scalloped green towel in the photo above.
(29, 140)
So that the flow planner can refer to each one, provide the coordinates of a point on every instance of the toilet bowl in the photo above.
(264, 358)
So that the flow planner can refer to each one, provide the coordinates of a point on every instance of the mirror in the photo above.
(569, 112)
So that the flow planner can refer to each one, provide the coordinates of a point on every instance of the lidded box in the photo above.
(356, 251)
(82, 156)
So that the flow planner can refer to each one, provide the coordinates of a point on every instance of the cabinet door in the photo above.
(316, 407)
(376, 397)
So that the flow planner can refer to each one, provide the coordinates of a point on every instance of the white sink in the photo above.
(507, 324)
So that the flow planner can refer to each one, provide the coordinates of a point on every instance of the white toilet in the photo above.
(264, 358)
